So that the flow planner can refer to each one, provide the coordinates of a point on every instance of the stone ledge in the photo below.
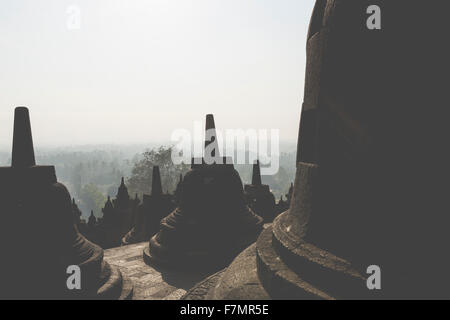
(238, 282)
(150, 282)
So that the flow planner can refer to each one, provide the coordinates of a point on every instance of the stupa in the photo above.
(154, 207)
(212, 222)
(118, 218)
(281, 205)
(260, 198)
(124, 208)
(92, 221)
(38, 237)
(370, 179)
(107, 232)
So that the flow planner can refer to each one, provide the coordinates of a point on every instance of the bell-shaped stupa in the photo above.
(212, 222)
(154, 207)
(259, 196)
(38, 237)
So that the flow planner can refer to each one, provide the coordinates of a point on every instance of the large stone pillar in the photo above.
(371, 175)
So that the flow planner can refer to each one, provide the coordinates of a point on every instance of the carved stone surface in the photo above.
(151, 283)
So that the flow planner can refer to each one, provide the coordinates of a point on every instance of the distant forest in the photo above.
(92, 175)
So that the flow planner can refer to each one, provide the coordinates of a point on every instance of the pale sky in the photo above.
(138, 69)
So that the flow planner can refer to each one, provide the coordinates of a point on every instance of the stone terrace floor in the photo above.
(150, 283)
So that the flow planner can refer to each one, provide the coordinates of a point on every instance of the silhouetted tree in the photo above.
(141, 174)
(92, 199)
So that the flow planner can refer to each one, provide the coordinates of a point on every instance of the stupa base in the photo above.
(264, 271)
(189, 260)
(116, 286)
(102, 280)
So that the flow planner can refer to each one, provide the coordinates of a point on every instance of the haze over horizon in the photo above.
(137, 70)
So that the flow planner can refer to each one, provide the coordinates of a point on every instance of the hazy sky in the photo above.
(138, 69)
